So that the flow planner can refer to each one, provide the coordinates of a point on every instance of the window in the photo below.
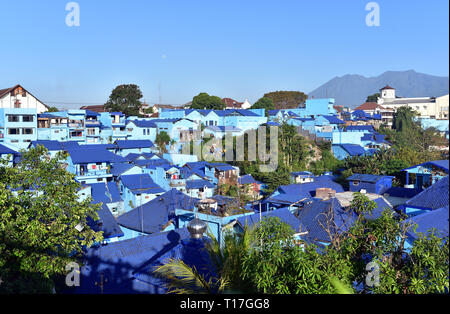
(144, 131)
(27, 131)
(13, 118)
(355, 183)
(13, 131)
(27, 118)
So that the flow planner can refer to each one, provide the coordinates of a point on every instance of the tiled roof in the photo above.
(369, 106)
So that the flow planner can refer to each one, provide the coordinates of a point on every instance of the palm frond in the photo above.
(181, 278)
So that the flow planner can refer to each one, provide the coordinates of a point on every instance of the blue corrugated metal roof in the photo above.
(144, 123)
(437, 219)
(139, 182)
(353, 149)
(434, 197)
(334, 120)
(247, 179)
(124, 144)
(371, 178)
(152, 216)
(134, 257)
(5, 150)
(120, 167)
(198, 184)
(85, 155)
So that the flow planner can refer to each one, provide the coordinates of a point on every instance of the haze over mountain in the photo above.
(352, 89)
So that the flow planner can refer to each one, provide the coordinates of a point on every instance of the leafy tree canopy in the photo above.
(373, 98)
(287, 99)
(205, 101)
(264, 103)
(39, 210)
(126, 99)
(53, 109)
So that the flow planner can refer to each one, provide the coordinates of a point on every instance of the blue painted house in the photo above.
(371, 183)
(52, 127)
(18, 127)
(125, 147)
(91, 165)
(138, 189)
(426, 174)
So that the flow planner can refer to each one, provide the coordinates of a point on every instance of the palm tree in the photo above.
(181, 278)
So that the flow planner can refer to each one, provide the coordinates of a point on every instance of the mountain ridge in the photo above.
(352, 89)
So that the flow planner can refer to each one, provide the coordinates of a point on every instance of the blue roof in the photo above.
(271, 123)
(50, 145)
(152, 216)
(296, 192)
(198, 184)
(128, 265)
(353, 149)
(283, 213)
(5, 150)
(314, 217)
(221, 166)
(144, 123)
(334, 120)
(124, 144)
(120, 167)
(402, 192)
(443, 164)
(437, 219)
(105, 194)
(140, 183)
(371, 178)
(247, 179)
(86, 155)
(434, 197)
(116, 113)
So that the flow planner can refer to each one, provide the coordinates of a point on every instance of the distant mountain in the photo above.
(352, 90)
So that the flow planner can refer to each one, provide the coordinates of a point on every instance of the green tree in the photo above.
(373, 98)
(205, 101)
(264, 103)
(39, 210)
(287, 99)
(53, 109)
(125, 98)
(162, 139)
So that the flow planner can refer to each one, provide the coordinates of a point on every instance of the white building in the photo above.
(427, 107)
(19, 97)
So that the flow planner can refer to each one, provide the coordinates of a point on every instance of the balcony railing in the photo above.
(175, 183)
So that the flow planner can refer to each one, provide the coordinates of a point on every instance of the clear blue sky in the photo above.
(239, 49)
